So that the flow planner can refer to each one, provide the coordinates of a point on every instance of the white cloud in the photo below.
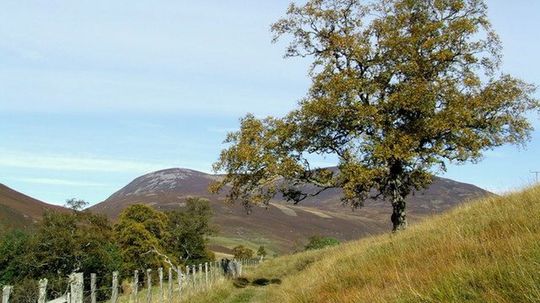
(61, 182)
(74, 163)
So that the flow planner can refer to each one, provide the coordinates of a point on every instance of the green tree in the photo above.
(318, 242)
(139, 233)
(261, 252)
(400, 88)
(242, 252)
(61, 243)
(82, 241)
(76, 204)
(14, 247)
(188, 230)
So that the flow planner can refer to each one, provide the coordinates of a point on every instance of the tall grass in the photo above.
(485, 251)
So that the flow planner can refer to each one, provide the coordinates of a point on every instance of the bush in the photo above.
(318, 242)
(242, 252)
(261, 252)
(61, 244)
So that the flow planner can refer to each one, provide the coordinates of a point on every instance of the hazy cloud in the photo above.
(61, 182)
(75, 163)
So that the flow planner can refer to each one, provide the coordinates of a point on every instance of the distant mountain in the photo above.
(20, 210)
(283, 225)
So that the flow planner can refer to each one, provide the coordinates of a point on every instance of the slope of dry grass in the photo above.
(19, 210)
(485, 251)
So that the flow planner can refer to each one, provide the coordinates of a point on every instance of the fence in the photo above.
(180, 283)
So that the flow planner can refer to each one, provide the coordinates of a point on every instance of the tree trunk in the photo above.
(399, 219)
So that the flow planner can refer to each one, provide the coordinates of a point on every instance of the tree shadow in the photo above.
(244, 282)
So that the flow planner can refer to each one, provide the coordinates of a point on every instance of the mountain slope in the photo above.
(20, 210)
(485, 251)
(281, 226)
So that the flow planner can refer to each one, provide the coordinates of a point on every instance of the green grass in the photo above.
(485, 251)
(188, 292)
(253, 242)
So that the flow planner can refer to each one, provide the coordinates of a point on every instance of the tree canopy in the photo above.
(188, 231)
(80, 241)
(76, 204)
(139, 233)
(261, 252)
(242, 252)
(60, 244)
(318, 242)
(151, 238)
(400, 88)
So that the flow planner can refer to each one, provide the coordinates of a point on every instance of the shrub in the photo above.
(242, 252)
(318, 242)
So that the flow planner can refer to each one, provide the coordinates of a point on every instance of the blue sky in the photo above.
(96, 93)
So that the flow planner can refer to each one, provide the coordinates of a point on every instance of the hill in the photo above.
(485, 251)
(20, 210)
(281, 227)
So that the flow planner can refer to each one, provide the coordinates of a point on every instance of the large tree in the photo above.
(139, 233)
(188, 229)
(59, 244)
(399, 89)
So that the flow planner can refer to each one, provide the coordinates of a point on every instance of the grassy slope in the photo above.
(486, 251)
(11, 218)
(252, 243)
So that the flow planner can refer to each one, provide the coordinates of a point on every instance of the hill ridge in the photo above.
(283, 224)
(20, 210)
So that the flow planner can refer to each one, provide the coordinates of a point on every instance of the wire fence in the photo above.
(163, 285)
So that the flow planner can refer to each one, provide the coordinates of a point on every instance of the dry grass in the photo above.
(485, 251)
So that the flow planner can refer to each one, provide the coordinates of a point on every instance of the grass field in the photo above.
(253, 242)
(484, 251)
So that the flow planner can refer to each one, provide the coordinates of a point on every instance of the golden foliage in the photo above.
(400, 88)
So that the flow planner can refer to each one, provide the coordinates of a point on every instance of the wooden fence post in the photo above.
(199, 280)
(93, 279)
(42, 298)
(6, 292)
(149, 285)
(76, 285)
(186, 280)
(206, 273)
(171, 282)
(193, 270)
(136, 286)
(179, 281)
(114, 295)
(160, 276)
